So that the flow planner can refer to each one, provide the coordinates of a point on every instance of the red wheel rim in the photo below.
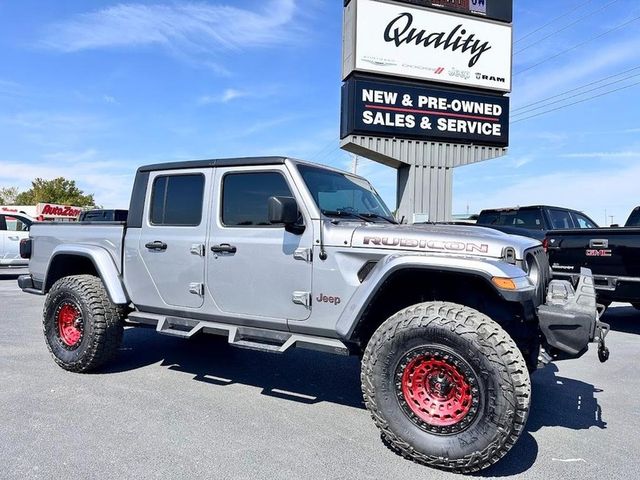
(70, 325)
(438, 391)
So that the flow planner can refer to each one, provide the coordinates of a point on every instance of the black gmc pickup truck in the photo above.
(534, 221)
(612, 254)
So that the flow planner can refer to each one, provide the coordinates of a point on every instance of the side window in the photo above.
(3, 225)
(14, 224)
(245, 197)
(176, 200)
(529, 218)
(560, 219)
(583, 222)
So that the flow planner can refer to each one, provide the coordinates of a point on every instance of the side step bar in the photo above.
(238, 336)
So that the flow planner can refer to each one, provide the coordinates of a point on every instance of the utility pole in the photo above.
(354, 164)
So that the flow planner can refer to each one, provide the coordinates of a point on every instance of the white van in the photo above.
(13, 228)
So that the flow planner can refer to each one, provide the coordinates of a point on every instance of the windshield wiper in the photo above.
(362, 216)
(377, 215)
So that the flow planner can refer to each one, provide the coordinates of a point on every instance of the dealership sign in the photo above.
(405, 110)
(421, 43)
(501, 10)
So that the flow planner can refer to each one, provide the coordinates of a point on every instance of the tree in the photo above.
(59, 190)
(8, 195)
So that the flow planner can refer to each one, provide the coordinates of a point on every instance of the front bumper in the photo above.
(569, 320)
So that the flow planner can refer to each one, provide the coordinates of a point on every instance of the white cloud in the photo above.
(610, 155)
(613, 189)
(225, 97)
(110, 181)
(186, 29)
(572, 72)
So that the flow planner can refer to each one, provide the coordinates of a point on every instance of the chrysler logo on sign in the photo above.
(412, 42)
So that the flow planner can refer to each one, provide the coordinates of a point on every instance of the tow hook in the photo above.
(603, 351)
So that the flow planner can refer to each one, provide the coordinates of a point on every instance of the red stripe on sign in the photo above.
(429, 112)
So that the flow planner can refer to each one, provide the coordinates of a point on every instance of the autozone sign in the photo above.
(424, 44)
(50, 210)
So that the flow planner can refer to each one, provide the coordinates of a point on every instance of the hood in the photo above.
(449, 239)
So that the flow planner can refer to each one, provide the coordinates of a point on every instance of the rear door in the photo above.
(173, 235)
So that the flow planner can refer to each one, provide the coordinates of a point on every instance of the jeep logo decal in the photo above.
(327, 299)
(427, 244)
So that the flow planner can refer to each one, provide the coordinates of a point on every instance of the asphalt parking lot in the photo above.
(169, 408)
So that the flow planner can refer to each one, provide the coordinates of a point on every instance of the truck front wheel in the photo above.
(447, 386)
(82, 327)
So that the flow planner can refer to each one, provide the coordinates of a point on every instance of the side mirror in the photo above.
(284, 211)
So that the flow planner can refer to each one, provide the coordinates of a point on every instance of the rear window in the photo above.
(176, 200)
(523, 218)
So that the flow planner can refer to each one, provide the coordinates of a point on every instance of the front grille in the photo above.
(536, 264)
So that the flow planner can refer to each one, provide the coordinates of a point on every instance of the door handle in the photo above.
(157, 245)
(224, 248)
(599, 243)
(14, 238)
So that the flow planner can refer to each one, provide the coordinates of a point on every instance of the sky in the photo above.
(92, 90)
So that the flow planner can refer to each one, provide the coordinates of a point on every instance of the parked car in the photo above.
(102, 215)
(275, 253)
(13, 228)
(634, 218)
(534, 221)
(612, 254)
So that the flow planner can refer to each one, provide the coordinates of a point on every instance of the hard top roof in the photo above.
(215, 162)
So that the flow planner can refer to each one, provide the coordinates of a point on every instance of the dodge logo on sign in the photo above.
(399, 109)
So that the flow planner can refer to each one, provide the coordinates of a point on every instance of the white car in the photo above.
(13, 228)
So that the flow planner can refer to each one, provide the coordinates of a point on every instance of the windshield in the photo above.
(341, 195)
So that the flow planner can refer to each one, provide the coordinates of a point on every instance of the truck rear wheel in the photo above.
(82, 327)
(447, 386)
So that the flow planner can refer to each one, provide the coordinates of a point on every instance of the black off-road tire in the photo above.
(474, 345)
(99, 321)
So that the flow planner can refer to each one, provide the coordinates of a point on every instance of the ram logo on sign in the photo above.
(421, 43)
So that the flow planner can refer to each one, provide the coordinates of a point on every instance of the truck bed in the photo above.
(612, 254)
(46, 236)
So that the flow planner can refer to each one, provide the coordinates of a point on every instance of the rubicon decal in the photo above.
(426, 244)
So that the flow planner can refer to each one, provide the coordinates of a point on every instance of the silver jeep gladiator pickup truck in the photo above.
(276, 253)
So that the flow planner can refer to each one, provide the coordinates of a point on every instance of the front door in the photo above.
(172, 239)
(256, 269)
